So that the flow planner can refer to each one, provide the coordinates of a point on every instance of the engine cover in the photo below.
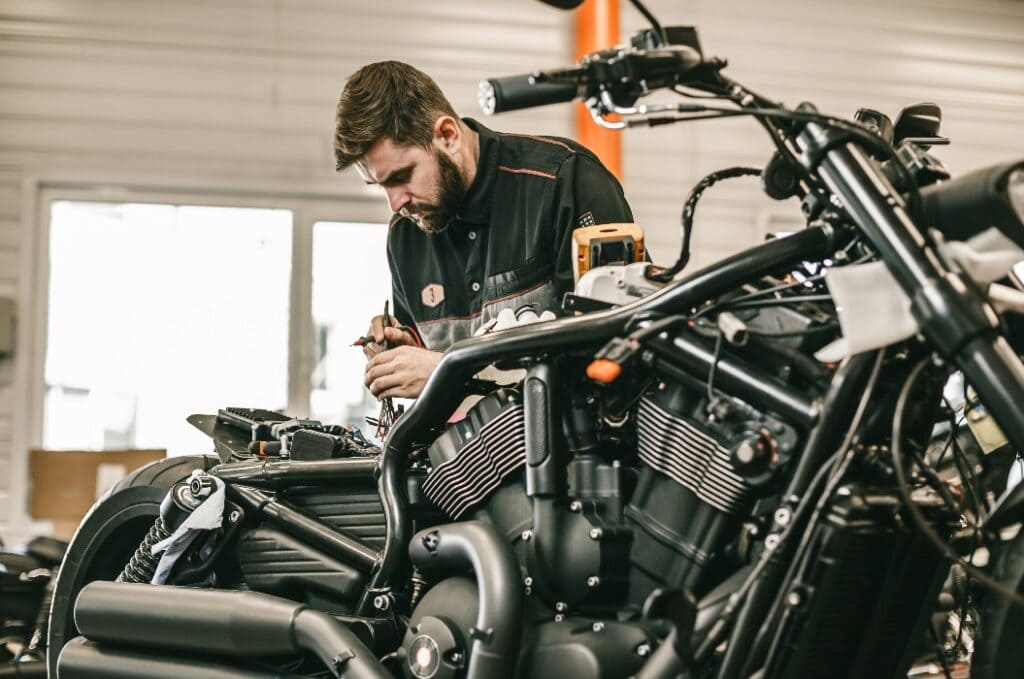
(436, 645)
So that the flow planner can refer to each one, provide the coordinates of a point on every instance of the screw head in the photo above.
(575, 506)
(595, 533)
(794, 599)
(593, 581)
(561, 606)
(782, 516)
(528, 581)
(381, 602)
(526, 535)
(598, 626)
(234, 516)
(771, 542)
(559, 617)
(643, 650)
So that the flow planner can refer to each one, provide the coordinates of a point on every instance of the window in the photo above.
(351, 280)
(158, 311)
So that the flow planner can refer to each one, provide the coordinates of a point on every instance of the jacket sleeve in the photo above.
(588, 194)
(399, 302)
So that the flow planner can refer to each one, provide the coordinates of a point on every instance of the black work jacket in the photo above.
(511, 242)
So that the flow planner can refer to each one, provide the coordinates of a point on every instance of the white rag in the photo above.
(207, 516)
(874, 312)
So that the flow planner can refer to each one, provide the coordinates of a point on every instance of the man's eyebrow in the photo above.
(391, 175)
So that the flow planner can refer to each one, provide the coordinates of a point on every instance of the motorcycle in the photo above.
(752, 471)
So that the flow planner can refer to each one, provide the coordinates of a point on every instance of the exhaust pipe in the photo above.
(239, 624)
(499, 622)
(82, 659)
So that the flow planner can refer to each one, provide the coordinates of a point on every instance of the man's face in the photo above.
(423, 184)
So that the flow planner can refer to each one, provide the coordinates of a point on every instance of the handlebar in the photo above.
(510, 93)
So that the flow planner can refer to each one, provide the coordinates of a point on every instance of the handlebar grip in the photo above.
(514, 92)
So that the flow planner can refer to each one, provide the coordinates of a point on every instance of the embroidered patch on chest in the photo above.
(585, 219)
(432, 295)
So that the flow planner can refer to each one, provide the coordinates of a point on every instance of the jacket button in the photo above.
(476, 287)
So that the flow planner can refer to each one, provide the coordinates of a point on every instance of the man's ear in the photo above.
(447, 134)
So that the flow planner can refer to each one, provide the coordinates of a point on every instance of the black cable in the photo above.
(779, 301)
(915, 511)
(652, 20)
(658, 275)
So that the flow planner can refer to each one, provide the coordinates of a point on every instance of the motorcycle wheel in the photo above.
(107, 538)
(998, 652)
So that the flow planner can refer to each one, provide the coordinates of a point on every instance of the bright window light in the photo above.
(160, 311)
(351, 280)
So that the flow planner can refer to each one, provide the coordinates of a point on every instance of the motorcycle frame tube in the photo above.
(286, 473)
(837, 410)
(299, 525)
(499, 621)
(684, 352)
(463, 359)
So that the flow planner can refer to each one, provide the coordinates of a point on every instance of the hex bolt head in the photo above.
(595, 533)
(526, 535)
(593, 581)
(598, 626)
(561, 606)
(381, 602)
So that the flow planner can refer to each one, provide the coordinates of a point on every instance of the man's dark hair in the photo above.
(387, 99)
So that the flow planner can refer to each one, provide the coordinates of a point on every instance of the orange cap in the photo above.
(604, 370)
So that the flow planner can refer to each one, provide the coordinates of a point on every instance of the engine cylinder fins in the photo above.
(673, 446)
(474, 456)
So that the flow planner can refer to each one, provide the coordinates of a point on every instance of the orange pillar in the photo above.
(597, 27)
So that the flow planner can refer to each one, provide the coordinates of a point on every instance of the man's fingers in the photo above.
(399, 337)
(385, 385)
(377, 329)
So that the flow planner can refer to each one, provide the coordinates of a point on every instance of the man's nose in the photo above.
(398, 198)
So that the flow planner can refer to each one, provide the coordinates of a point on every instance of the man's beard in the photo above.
(435, 217)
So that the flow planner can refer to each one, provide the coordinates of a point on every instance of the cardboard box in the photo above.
(66, 483)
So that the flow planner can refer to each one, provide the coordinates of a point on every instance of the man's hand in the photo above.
(393, 334)
(401, 372)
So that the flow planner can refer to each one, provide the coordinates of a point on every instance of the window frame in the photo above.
(306, 208)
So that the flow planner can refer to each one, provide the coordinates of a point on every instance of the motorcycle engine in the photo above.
(661, 514)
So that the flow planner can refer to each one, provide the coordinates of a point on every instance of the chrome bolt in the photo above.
(794, 599)
(782, 516)
(771, 542)
(593, 581)
(561, 606)
(381, 603)
(643, 650)
(528, 581)
(598, 626)
(456, 658)
(575, 506)
(527, 534)
(595, 533)
(234, 516)
(559, 617)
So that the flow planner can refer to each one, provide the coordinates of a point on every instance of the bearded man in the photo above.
(482, 221)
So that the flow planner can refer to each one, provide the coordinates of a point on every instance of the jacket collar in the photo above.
(476, 206)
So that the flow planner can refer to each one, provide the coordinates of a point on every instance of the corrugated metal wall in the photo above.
(966, 56)
(237, 96)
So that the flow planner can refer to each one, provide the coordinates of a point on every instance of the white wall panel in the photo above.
(967, 57)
